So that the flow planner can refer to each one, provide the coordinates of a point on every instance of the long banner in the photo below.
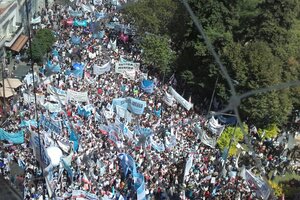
(50, 124)
(188, 165)
(187, 105)
(135, 106)
(52, 107)
(98, 70)
(261, 187)
(35, 143)
(16, 138)
(29, 98)
(80, 194)
(77, 96)
(57, 94)
(121, 68)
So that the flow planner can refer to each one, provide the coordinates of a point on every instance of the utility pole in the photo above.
(213, 94)
(3, 86)
(34, 86)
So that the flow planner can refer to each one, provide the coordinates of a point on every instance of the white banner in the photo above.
(29, 98)
(126, 67)
(108, 114)
(87, 8)
(187, 105)
(129, 75)
(52, 107)
(64, 146)
(57, 95)
(98, 70)
(112, 45)
(211, 142)
(77, 194)
(97, 2)
(205, 139)
(58, 99)
(77, 96)
(188, 166)
(215, 127)
(29, 78)
(168, 99)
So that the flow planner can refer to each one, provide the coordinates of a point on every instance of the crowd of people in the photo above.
(94, 161)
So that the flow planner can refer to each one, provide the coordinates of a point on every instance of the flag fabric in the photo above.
(16, 138)
(74, 138)
(215, 127)
(85, 179)
(147, 86)
(188, 165)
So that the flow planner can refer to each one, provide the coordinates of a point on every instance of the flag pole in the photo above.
(213, 94)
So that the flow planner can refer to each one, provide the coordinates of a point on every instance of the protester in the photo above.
(78, 112)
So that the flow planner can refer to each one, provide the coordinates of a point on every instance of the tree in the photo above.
(157, 52)
(253, 70)
(257, 41)
(42, 44)
(151, 15)
(272, 22)
(233, 133)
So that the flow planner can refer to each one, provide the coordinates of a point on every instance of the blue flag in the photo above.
(147, 86)
(76, 39)
(16, 138)
(54, 68)
(82, 112)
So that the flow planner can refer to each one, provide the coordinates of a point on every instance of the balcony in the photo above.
(2, 40)
(11, 37)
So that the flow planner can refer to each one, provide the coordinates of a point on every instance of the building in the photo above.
(13, 24)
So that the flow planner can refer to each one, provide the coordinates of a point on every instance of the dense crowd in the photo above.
(96, 165)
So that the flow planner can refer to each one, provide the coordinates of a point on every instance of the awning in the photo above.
(12, 83)
(19, 43)
(8, 92)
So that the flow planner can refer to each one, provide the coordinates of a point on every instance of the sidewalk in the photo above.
(21, 70)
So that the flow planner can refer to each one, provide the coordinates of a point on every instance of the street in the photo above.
(7, 192)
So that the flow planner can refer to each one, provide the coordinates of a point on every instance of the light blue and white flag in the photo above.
(160, 147)
(188, 165)
(136, 106)
(147, 86)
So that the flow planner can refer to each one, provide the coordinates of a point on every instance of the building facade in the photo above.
(14, 24)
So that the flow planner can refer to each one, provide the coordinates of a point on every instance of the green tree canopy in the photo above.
(151, 15)
(42, 44)
(258, 42)
(157, 52)
(233, 133)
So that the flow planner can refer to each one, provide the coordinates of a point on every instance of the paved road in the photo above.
(21, 70)
(7, 192)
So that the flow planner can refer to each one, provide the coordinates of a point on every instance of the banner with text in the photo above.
(50, 124)
(136, 106)
(121, 68)
(77, 96)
